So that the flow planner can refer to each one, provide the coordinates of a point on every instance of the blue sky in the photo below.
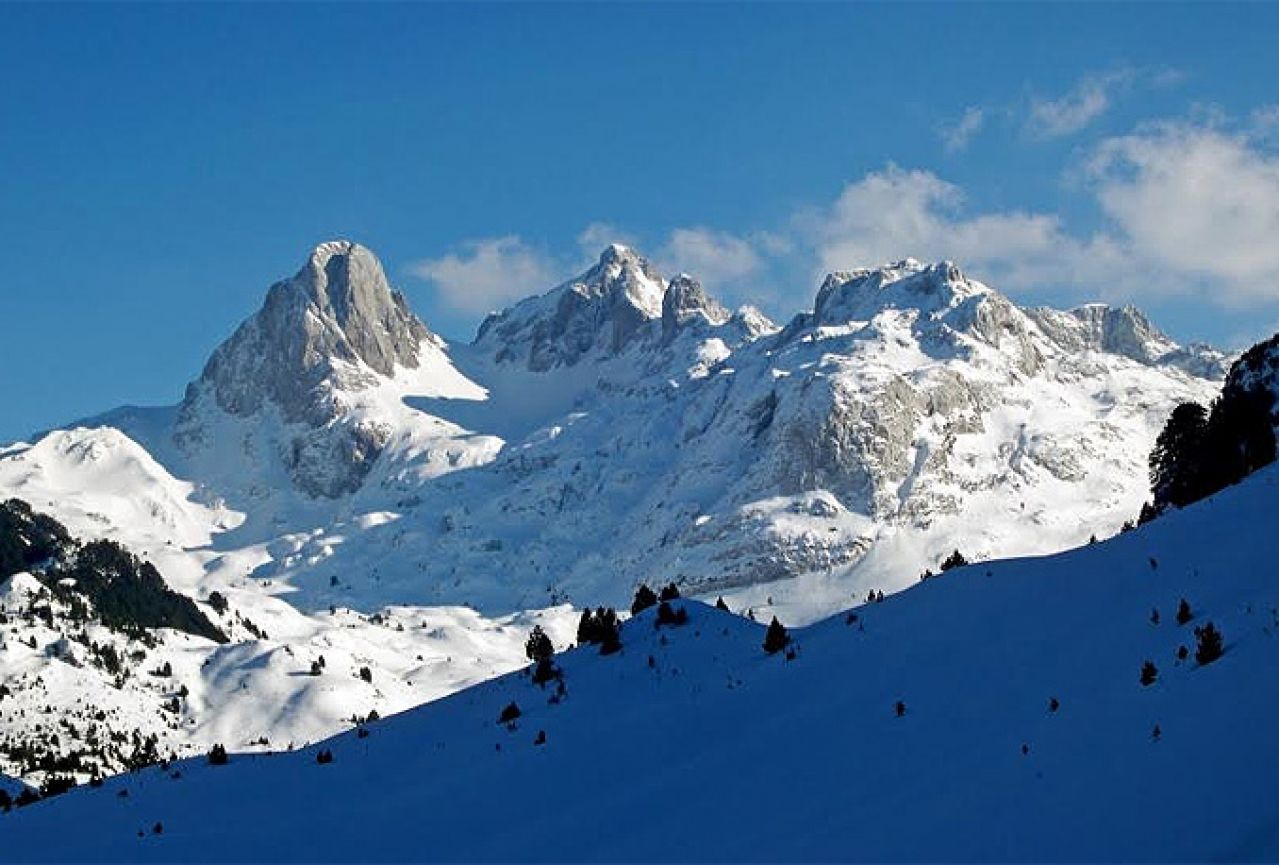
(162, 165)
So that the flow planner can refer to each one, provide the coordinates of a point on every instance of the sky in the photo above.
(162, 165)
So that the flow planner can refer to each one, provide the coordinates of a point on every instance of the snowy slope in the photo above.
(692, 744)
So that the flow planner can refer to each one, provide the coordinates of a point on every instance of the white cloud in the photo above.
(1187, 208)
(892, 214)
(1197, 202)
(487, 274)
(1084, 103)
(716, 258)
(956, 136)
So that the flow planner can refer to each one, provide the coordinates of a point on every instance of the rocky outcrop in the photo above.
(599, 313)
(332, 330)
(337, 322)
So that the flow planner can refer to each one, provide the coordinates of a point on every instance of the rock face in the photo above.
(601, 312)
(334, 321)
(335, 328)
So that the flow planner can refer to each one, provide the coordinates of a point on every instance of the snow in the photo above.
(713, 751)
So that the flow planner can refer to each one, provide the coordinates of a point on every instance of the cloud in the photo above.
(716, 258)
(487, 274)
(956, 136)
(1090, 98)
(1198, 202)
(1187, 208)
(891, 214)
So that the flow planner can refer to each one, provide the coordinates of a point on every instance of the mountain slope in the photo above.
(693, 744)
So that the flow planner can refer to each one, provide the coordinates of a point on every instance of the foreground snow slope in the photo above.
(692, 744)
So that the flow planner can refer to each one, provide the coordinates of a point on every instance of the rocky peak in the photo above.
(858, 295)
(685, 301)
(602, 310)
(1125, 331)
(336, 321)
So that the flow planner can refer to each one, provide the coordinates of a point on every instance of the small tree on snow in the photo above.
(776, 638)
(509, 713)
(954, 560)
(1183, 612)
(1210, 646)
(538, 646)
(644, 598)
(1149, 673)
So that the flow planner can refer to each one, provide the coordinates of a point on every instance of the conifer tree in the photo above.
(776, 637)
(538, 647)
(644, 598)
(1209, 647)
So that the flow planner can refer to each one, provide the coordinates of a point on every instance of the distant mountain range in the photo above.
(354, 487)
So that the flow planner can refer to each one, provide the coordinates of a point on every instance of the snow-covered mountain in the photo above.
(351, 483)
(1064, 708)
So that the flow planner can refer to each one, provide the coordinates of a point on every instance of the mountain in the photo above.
(355, 487)
(996, 713)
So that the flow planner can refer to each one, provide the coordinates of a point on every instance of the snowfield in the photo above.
(693, 744)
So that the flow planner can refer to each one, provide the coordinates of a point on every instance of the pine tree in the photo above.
(1149, 673)
(670, 592)
(1210, 646)
(586, 628)
(1183, 612)
(720, 605)
(776, 637)
(610, 632)
(644, 598)
(538, 647)
(954, 560)
(218, 755)
(1176, 468)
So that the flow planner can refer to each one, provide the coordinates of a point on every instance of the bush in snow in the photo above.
(954, 560)
(1210, 646)
(776, 638)
(366, 674)
(1183, 612)
(323, 757)
(509, 713)
(644, 598)
(1149, 673)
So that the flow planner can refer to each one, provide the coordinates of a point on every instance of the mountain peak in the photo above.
(336, 320)
(849, 295)
(602, 309)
